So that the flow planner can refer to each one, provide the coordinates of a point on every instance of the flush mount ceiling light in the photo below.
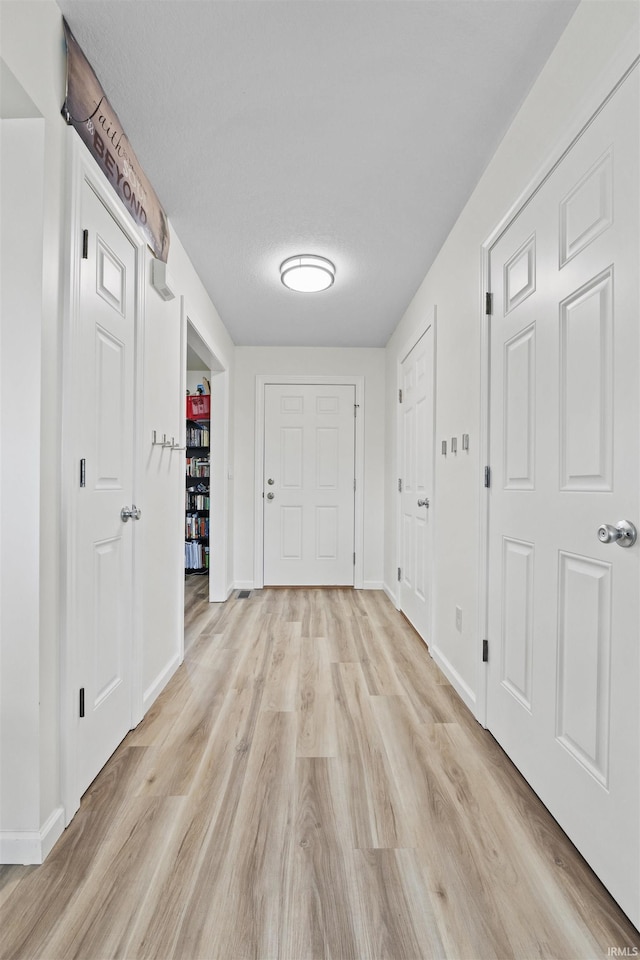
(307, 274)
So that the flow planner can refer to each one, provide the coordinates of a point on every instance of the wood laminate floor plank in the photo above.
(307, 786)
(319, 917)
(372, 796)
(316, 731)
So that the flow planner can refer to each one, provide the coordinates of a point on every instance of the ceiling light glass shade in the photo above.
(307, 274)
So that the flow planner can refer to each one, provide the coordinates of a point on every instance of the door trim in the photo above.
(408, 346)
(358, 542)
(624, 61)
(219, 586)
(82, 168)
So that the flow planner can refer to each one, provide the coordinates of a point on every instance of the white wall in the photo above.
(163, 500)
(453, 284)
(33, 51)
(319, 361)
(21, 167)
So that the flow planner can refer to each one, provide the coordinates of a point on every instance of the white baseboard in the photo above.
(462, 688)
(32, 846)
(243, 585)
(391, 594)
(160, 682)
(249, 585)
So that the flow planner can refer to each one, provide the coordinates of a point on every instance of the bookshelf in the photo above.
(197, 503)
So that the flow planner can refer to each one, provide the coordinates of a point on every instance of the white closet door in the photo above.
(104, 542)
(417, 484)
(564, 614)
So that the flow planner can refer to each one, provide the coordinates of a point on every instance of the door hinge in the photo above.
(488, 304)
(83, 472)
(487, 476)
(399, 574)
(399, 485)
(85, 244)
(355, 409)
(485, 651)
(354, 559)
(81, 701)
(399, 396)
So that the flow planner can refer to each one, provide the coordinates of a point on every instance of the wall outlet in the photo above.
(459, 619)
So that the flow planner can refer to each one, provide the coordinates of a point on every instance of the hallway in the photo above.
(308, 786)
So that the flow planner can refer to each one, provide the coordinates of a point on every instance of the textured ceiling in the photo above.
(354, 129)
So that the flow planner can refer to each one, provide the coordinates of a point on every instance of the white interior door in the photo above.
(563, 607)
(416, 531)
(309, 480)
(104, 542)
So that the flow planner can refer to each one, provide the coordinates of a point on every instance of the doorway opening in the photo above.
(205, 439)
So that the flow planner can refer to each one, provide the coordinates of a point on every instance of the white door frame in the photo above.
(82, 168)
(358, 544)
(402, 356)
(621, 65)
(219, 586)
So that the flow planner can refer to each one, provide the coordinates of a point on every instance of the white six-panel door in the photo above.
(417, 439)
(104, 543)
(564, 618)
(309, 463)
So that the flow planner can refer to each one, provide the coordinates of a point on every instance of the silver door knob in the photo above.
(271, 481)
(423, 503)
(270, 496)
(624, 533)
(130, 513)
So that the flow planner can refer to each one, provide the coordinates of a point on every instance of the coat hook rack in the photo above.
(164, 442)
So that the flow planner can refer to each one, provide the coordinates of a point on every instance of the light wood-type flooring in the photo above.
(309, 786)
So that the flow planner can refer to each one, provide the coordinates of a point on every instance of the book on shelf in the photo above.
(196, 501)
(196, 555)
(196, 526)
(197, 436)
(197, 467)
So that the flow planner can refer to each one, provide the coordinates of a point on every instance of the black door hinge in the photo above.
(399, 485)
(82, 701)
(399, 574)
(354, 559)
(85, 244)
(83, 472)
(399, 396)
(485, 651)
(488, 304)
(487, 476)
(355, 409)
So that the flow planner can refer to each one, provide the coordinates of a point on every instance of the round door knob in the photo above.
(271, 481)
(270, 496)
(423, 503)
(608, 534)
(624, 533)
(130, 513)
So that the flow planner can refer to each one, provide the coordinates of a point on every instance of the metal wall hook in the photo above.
(164, 442)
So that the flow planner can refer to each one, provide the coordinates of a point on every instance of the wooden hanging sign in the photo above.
(87, 108)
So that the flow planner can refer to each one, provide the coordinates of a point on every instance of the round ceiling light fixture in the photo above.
(307, 274)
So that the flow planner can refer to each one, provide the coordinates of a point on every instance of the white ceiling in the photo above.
(354, 129)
